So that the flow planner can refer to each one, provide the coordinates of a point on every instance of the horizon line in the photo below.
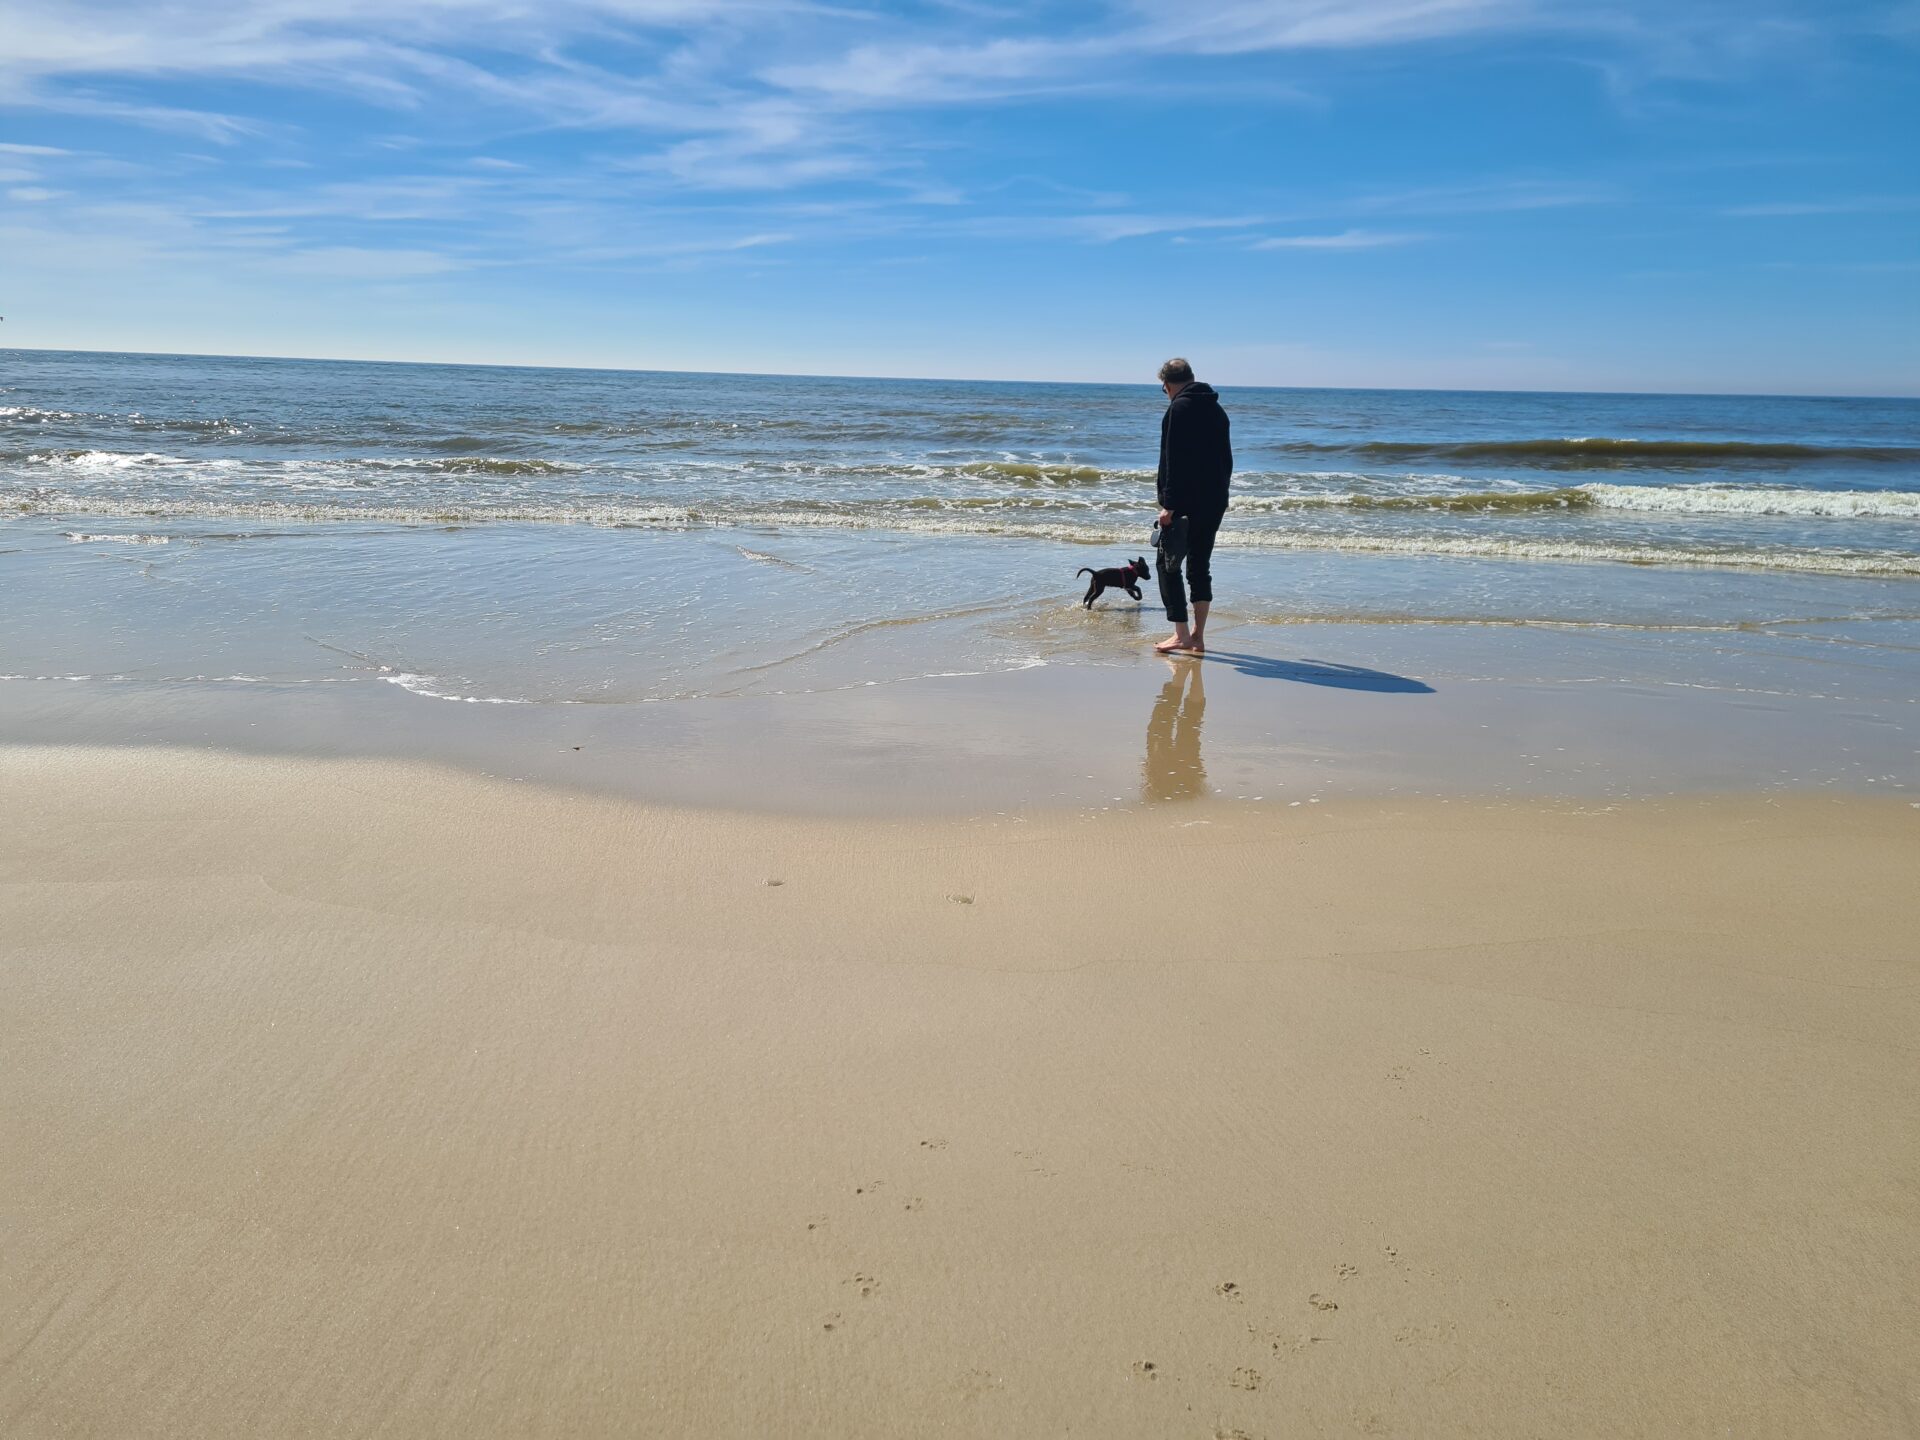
(1760, 394)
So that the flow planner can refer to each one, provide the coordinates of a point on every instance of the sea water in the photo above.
(541, 536)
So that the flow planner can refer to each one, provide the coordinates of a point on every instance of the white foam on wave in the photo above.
(612, 513)
(81, 537)
(1866, 564)
(1874, 563)
(423, 685)
(1759, 500)
(106, 460)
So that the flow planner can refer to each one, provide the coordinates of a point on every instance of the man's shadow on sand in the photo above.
(1320, 672)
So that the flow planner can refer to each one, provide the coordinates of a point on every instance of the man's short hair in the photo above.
(1176, 372)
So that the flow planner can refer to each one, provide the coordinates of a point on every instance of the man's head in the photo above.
(1175, 376)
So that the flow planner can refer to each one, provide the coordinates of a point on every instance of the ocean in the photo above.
(1827, 486)
(540, 537)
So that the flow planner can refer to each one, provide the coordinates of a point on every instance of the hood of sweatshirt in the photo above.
(1196, 393)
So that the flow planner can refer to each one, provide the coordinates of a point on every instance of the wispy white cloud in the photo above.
(1217, 27)
(1104, 228)
(916, 71)
(701, 75)
(680, 249)
(206, 124)
(354, 262)
(1344, 240)
(1485, 197)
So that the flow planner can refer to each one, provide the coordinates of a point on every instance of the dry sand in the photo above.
(357, 1098)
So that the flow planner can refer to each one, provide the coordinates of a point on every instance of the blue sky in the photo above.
(1643, 194)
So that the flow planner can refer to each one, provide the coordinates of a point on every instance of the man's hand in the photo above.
(1166, 517)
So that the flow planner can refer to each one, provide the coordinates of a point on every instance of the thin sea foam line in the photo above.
(419, 685)
(1882, 564)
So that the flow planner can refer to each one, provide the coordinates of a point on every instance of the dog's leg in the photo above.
(1093, 593)
(1134, 590)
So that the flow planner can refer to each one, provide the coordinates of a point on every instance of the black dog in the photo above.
(1125, 577)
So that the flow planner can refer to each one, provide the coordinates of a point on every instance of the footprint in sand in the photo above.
(1226, 1289)
(914, 1204)
(869, 1187)
(1343, 1270)
(1146, 1370)
(866, 1284)
(1284, 1346)
(974, 1383)
(1245, 1379)
(816, 1222)
(961, 899)
(1232, 1435)
(1321, 1302)
(935, 1144)
(832, 1322)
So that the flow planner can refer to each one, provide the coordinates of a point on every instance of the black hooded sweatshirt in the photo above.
(1196, 453)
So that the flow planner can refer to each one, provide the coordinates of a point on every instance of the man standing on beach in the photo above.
(1196, 462)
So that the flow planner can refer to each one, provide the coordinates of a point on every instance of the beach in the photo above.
(532, 904)
(370, 1098)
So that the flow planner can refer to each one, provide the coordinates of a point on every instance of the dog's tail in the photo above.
(1083, 570)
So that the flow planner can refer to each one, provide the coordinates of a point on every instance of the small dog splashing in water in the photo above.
(1125, 577)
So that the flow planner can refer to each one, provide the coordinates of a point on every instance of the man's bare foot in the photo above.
(1178, 645)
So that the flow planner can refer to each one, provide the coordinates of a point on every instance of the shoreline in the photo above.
(366, 1096)
(1405, 711)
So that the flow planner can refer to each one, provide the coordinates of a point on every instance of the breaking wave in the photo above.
(1759, 500)
(1010, 522)
(1604, 452)
(1671, 499)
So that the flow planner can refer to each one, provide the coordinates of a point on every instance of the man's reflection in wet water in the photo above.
(1174, 769)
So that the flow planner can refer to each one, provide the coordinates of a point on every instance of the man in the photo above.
(1196, 462)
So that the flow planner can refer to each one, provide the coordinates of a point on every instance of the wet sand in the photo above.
(360, 1097)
